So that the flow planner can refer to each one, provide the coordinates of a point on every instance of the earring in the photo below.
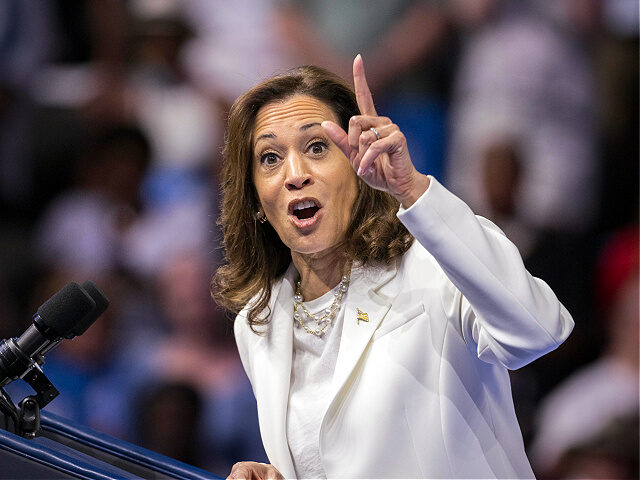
(259, 215)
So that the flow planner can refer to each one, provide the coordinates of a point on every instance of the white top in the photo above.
(314, 360)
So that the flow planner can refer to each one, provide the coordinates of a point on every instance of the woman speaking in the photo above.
(378, 316)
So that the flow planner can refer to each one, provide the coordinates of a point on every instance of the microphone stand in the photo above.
(25, 418)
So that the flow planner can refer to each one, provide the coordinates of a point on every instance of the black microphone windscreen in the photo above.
(64, 310)
(101, 301)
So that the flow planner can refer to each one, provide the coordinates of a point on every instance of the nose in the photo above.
(297, 175)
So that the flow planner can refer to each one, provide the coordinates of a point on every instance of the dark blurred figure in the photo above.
(86, 227)
(182, 122)
(525, 76)
(169, 417)
(583, 405)
(501, 178)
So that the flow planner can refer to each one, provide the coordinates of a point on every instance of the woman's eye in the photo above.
(318, 148)
(269, 158)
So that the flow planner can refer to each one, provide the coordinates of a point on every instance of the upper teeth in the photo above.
(304, 204)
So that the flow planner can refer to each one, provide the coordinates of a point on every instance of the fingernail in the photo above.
(359, 172)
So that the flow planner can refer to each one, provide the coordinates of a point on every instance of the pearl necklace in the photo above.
(327, 316)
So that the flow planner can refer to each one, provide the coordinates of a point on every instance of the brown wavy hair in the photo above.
(255, 257)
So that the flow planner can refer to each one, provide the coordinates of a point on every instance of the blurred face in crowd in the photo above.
(305, 185)
(184, 295)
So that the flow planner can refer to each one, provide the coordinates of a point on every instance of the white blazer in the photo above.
(422, 389)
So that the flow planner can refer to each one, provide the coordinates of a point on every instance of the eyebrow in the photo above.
(307, 126)
(304, 127)
(265, 135)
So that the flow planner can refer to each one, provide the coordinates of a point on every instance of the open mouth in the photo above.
(305, 209)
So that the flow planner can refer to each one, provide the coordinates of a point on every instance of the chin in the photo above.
(312, 247)
(307, 248)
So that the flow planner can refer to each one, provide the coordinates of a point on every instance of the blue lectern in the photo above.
(129, 457)
(41, 458)
(64, 449)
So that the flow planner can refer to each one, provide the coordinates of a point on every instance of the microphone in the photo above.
(66, 313)
(101, 301)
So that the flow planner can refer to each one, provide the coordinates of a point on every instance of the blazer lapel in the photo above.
(273, 369)
(364, 295)
(363, 302)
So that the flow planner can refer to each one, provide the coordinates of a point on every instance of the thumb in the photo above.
(337, 136)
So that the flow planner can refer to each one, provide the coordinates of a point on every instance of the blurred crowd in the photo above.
(112, 118)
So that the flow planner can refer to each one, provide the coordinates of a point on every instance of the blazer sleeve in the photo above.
(511, 317)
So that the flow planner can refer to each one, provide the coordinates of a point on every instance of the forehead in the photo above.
(292, 112)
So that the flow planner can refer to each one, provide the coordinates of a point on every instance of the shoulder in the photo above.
(241, 327)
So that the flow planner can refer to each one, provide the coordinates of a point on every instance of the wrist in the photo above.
(416, 188)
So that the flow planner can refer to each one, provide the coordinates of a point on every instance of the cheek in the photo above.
(264, 193)
(348, 193)
(350, 186)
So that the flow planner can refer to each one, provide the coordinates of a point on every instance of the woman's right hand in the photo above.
(254, 471)
(376, 148)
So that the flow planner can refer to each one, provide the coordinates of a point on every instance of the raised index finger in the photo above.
(363, 94)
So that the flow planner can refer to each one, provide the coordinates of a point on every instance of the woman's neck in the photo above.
(319, 272)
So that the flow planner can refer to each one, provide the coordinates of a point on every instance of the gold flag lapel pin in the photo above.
(364, 316)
